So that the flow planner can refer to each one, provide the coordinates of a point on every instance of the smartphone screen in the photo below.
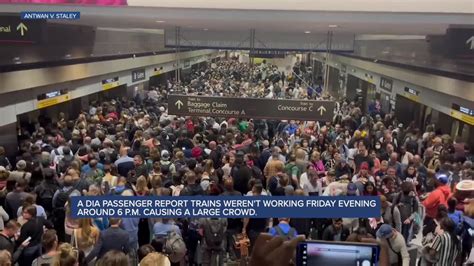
(336, 253)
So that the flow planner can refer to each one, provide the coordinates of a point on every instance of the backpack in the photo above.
(166, 169)
(175, 247)
(288, 236)
(45, 196)
(62, 198)
(214, 233)
(402, 209)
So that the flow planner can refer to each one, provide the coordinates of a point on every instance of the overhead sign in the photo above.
(14, 30)
(251, 108)
(267, 54)
(52, 98)
(386, 84)
(138, 75)
(460, 42)
(108, 84)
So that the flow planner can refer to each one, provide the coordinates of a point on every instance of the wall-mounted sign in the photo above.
(108, 84)
(412, 91)
(251, 108)
(411, 94)
(187, 63)
(386, 84)
(52, 98)
(138, 75)
(15, 31)
(463, 113)
(157, 71)
(463, 109)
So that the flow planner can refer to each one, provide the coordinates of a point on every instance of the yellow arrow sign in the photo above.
(22, 28)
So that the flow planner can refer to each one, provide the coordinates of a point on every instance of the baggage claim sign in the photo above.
(251, 108)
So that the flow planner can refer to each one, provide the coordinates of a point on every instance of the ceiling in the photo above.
(261, 20)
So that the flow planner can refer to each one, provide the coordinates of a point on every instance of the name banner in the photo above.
(225, 207)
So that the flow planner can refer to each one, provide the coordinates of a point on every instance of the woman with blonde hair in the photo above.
(142, 187)
(154, 259)
(67, 256)
(156, 184)
(85, 236)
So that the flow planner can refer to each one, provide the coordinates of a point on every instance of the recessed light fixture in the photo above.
(307, 32)
(333, 26)
(160, 21)
(205, 29)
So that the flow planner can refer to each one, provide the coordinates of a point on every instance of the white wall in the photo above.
(436, 6)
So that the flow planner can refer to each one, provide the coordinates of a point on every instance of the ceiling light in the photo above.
(160, 21)
(333, 26)
(307, 32)
(205, 29)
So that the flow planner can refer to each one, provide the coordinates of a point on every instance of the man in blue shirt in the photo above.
(283, 229)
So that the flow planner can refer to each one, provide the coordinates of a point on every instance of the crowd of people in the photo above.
(129, 147)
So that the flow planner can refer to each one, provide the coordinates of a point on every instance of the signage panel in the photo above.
(52, 98)
(108, 84)
(138, 75)
(251, 108)
(386, 84)
(16, 31)
(463, 113)
(157, 71)
(268, 54)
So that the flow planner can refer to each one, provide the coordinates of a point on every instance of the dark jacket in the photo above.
(329, 233)
(241, 176)
(112, 238)
(9, 245)
(192, 190)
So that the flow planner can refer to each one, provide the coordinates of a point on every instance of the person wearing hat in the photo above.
(20, 172)
(398, 252)
(363, 177)
(439, 196)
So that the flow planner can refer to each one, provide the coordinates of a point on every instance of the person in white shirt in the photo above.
(311, 183)
(405, 156)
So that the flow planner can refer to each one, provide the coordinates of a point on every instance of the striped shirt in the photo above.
(446, 250)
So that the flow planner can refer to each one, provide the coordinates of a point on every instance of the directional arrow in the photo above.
(179, 103)
(22, 28)
(471, 40)
(321, 110)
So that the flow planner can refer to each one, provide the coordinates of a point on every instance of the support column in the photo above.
(177, 42)
(328, 54)
(252, 46)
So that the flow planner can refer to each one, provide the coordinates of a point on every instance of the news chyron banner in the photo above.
(225, 207)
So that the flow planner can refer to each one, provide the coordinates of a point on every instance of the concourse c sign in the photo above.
(251, 108)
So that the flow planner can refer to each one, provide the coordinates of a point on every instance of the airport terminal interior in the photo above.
(237, 98)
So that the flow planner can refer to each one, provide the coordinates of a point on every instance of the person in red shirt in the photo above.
(436, 198)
